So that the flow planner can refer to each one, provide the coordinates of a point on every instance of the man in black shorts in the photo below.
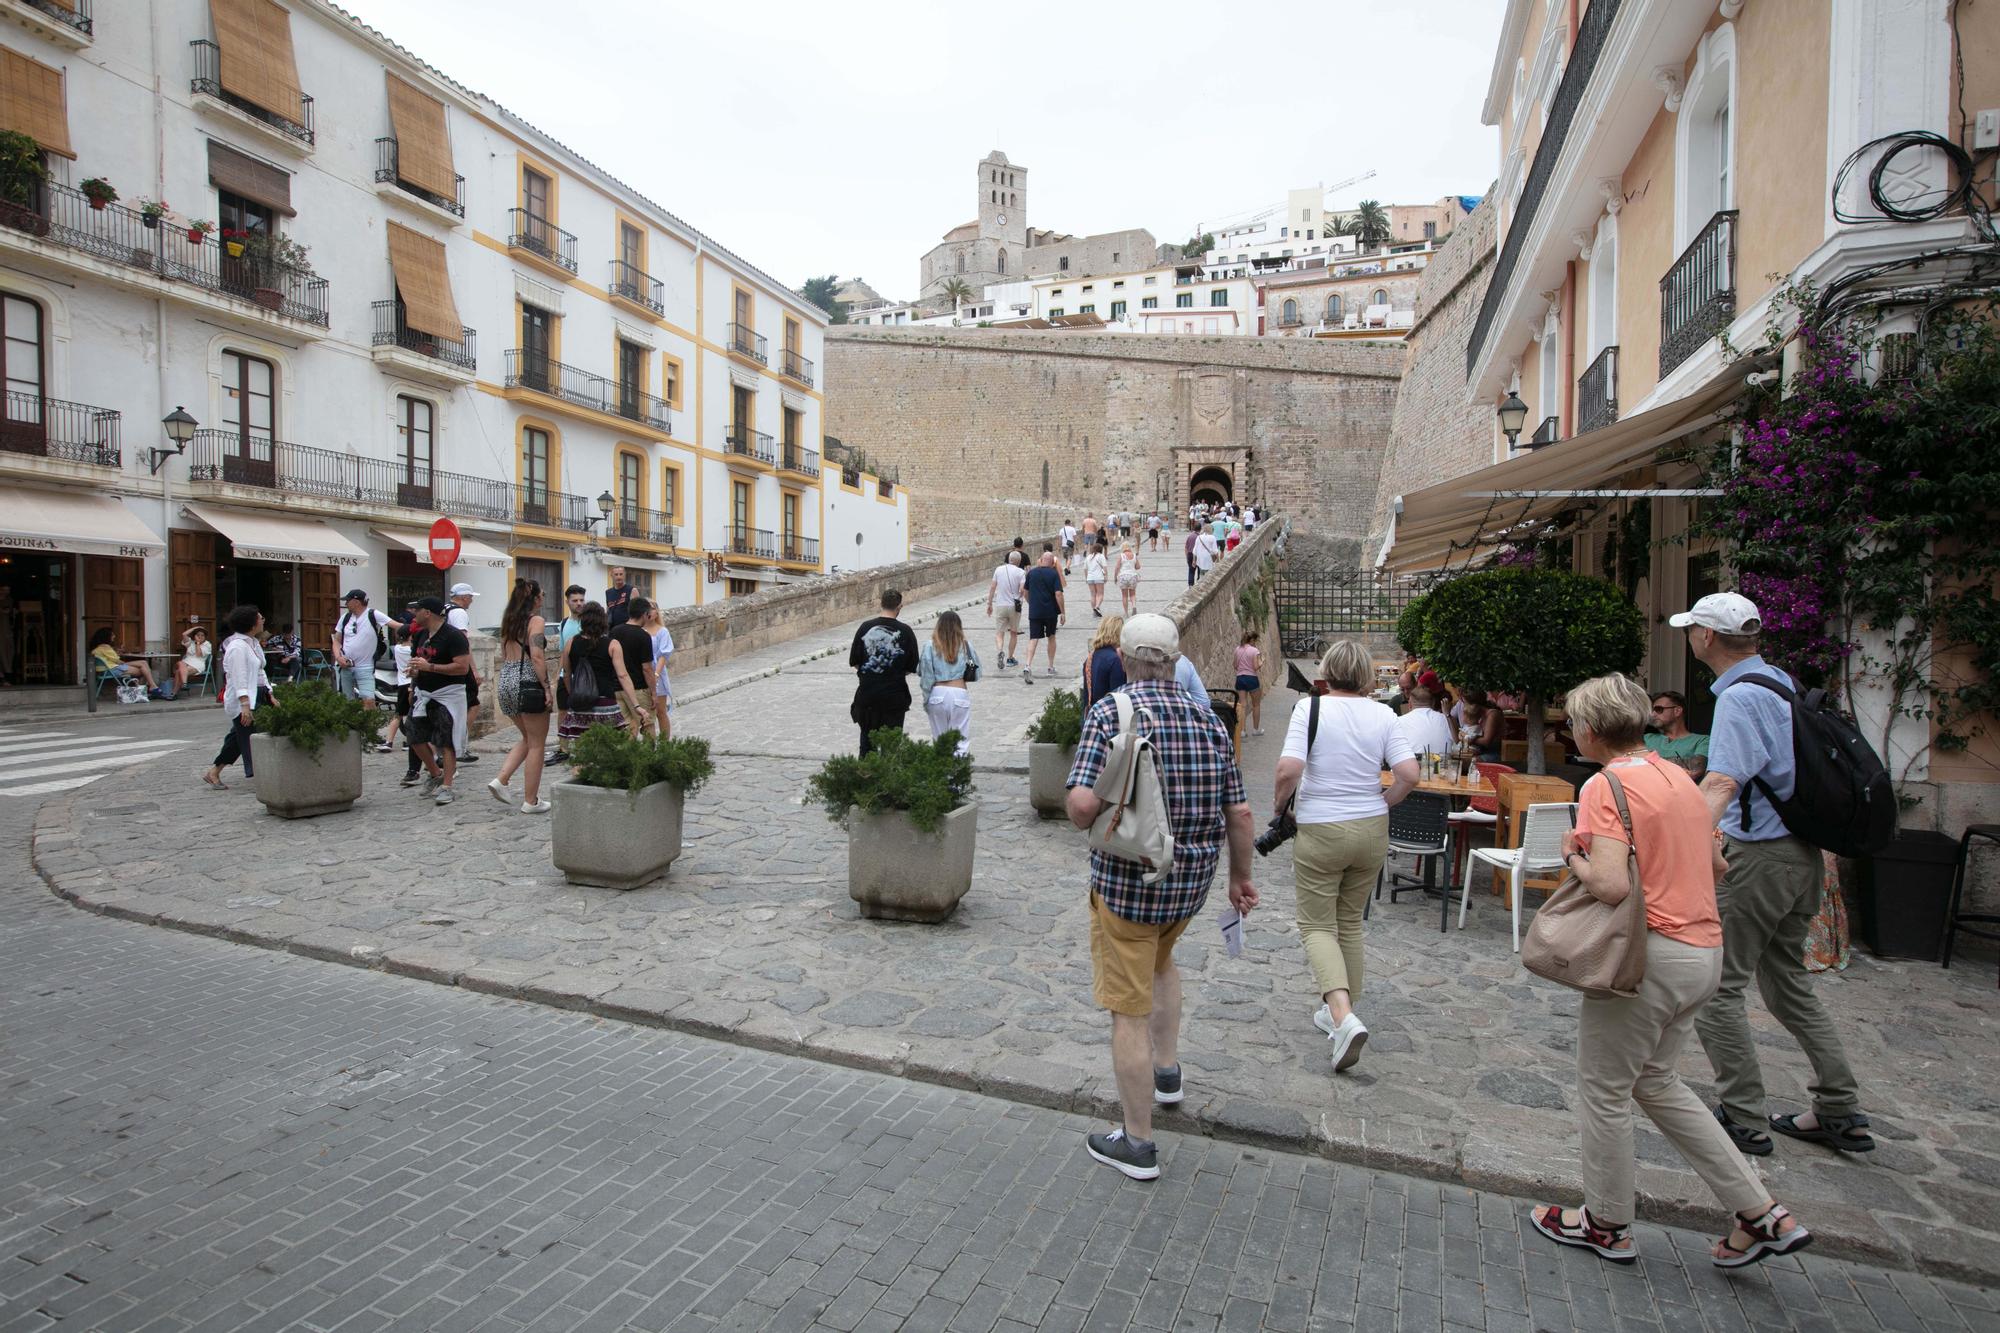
(1045, 610)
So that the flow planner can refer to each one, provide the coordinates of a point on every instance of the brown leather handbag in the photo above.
(1580, 941)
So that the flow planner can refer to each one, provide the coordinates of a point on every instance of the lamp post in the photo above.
(605, 504)
(1513, 416)
(180, 428)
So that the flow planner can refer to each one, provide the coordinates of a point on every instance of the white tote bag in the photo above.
(1133, 824)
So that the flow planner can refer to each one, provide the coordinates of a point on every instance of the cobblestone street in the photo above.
(752, 938)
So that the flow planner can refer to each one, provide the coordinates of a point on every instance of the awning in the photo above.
(257, 61)
(470, 551)
(260, 536)
(259, 182)
(77, 523)
(423, 283)
(32, 102)
(608, 558)
(423, 140)
(1437, 521)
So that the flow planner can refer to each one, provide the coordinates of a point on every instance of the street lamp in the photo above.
(180, 428)
(605, 504)
(1513, 416)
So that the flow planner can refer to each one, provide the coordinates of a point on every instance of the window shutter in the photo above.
(259, 182)
(423, 139)
(33, 102)
(257, 61)
(423, 282)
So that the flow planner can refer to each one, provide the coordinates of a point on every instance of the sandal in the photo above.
(1766, 1239)
(1847, 1133)
(1749, 1141)
(1586, 1234)
(215, 783)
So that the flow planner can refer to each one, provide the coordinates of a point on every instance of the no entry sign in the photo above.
(444, 543)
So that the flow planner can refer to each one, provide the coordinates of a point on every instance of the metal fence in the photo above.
(1313, 608)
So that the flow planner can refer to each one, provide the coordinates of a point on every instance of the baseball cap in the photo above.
(355, 595)
(434, 605)
(1150, 633)
(1724, 612)
(462, 590)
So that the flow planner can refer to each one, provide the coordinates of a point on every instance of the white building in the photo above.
(1277, 238)
(1169, 299)
(487, 326)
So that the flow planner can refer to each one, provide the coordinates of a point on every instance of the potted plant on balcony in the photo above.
(198, 230)
(232, 241)
(308, 750)
(911, 825)
(273, 259)
(150, 213)
(1052, 739)
(22, 175)
(617, 822)
(99, 191)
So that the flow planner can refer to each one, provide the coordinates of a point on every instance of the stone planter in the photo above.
(897, 872)
(1048, 770)
(612, 838)
(295, 785)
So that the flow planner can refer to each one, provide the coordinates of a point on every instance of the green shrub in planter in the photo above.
(311, 713)
(608, 756)
(1061, 720)
(924, 779)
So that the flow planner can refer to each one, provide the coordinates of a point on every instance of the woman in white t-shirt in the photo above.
(1095, 569)
(1342, 811)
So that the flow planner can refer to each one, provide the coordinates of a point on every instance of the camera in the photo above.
(1281, 830)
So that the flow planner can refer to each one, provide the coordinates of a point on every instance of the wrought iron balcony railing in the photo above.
(120, 235)
(747, 341)
(797, 550)
(1590, 34)
(747, 443)
(644, 525)
(630, 283)
(796, 366)
(1597, 393)
(1548, 432)
(554, 509)
(529, 369)
(541, 238)
(753, 541)
(1698, 294)
(296, 121)
(51, 428)
(392, 331)
(388, 171)
(74, 13)
(799, 459)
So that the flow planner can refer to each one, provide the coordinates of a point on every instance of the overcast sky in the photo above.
(843, 138)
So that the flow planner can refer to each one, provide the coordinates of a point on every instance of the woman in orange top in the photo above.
(1628, 1050)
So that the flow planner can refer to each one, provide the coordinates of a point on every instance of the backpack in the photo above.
(1133, 824)
(584, 693)
(1843, 801)
(379, 621)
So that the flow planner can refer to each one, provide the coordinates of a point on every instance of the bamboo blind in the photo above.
(257, 61)
(32, 102)
(423, 282)
(423, 139)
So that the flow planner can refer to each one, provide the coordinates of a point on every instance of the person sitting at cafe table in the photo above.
(1670, 738)
(111, 662)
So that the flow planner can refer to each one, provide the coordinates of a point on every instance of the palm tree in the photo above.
(956, 291)
(1370, 223)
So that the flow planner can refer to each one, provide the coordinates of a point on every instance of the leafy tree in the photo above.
(1370, 223)
(1198, 244)
(820, 291)
(956, 290)
(1410, 625)
(1537, 632)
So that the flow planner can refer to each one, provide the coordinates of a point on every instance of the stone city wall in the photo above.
(1206, 613)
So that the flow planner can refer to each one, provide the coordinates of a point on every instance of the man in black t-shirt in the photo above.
(884, 652)
(1045, 610)
(618, 598)
(440, 663)
(635, 648)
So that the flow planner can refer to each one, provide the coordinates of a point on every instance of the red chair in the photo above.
(1480, 812)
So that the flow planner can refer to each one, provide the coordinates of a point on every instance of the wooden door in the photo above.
(114, 594)
(191, 579)
(319, 603)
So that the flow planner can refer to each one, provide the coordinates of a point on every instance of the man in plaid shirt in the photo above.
(1133, 925)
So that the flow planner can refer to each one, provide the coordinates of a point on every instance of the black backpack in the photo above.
(1843, 800)
(377, 621)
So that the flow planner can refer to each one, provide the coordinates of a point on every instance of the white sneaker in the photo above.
(540, 807)
(500, 792)
(1347, 1037)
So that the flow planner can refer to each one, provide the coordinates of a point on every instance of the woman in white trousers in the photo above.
(944, 668)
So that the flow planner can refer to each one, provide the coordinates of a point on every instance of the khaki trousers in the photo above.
(1627, 1052)
(1768, 898)
(1334, 867)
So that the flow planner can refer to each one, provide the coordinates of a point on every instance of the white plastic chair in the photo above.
(1541, 849)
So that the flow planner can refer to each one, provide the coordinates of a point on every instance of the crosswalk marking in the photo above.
(132, 750)
(36, 763)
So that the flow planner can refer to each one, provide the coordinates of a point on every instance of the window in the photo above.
(790, 518)
(247, 418)
(1089, 309)
(1056, 313)
(739, 505)
(1284, 232)
(631, 377)
(1305, 215)
(1000, 262)
(1430, 231)
(1704, 147)
(1114, 256)
(1719, 131)
(1152, 278)
(961, 261)
(535, 473)
(673, 381)
(535, 192)
(743, 412)
(741, 587)
(21, 343)
(630, 488)
(1063, 264)
(414, 419)
(537, 334)
(670, 490)
(1055, 291)
(1117, 310)
(791, 432)
(1381, 297)
(1219, 296)
(743, 309)
(1333, 311)
(1291, 315)
(1184, 301)
(1088, 286)
(631, 246)
(1116, 285)
(1150, 303)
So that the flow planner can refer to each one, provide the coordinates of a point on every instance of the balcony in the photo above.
(797, 550)
(445, 360)
(797, 458)
(1583, 55)
(1698, 294)
(66, 23)
(51, 428)
(542, 507)
(797, 367)
(541, 241)
(752, 541)
(633, 285)
(632, 523)
(533, 371)
(746, 341)
(120, 236)
(286, 127)
(752, 445)
(1548, 432)
(1597, 393)
(389, 181)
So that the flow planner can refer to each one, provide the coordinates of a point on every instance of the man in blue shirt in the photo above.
(1768, 897)
(1045, 611)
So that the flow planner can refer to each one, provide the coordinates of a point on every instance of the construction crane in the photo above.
(1276, 209)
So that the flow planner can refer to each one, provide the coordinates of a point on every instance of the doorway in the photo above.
(549, 575)
(38, 618)
(1211, 484)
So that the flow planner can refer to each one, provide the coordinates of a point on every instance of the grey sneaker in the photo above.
(431, 784)
(445, 796)
(1167, 1088)
(1115, 1150)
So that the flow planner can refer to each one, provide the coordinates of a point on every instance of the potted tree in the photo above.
(308, 750)
(617, 821)
(273, 260)
(99, 192)
(22, 175)
(911, 825)
(1052, 739)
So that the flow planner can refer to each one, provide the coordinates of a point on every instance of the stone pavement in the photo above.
(214, 1138)
(752, 937)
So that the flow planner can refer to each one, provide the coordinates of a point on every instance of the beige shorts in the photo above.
(1006, 619)
(1125, 956)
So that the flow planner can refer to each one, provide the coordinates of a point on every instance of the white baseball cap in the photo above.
(1724, 612)
(1149, 632)
(462, 590)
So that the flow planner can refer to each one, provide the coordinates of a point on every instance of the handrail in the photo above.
(530, 369)
(542, 238)
(749, 342)
(388, 171)
(631, 283)
(53, 428)
(797, 367)
(750, 444)
(1597, 392)
(208, 79)
(1698, 294)
(753, 541)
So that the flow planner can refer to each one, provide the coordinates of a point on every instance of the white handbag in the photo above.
(1133, 824)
